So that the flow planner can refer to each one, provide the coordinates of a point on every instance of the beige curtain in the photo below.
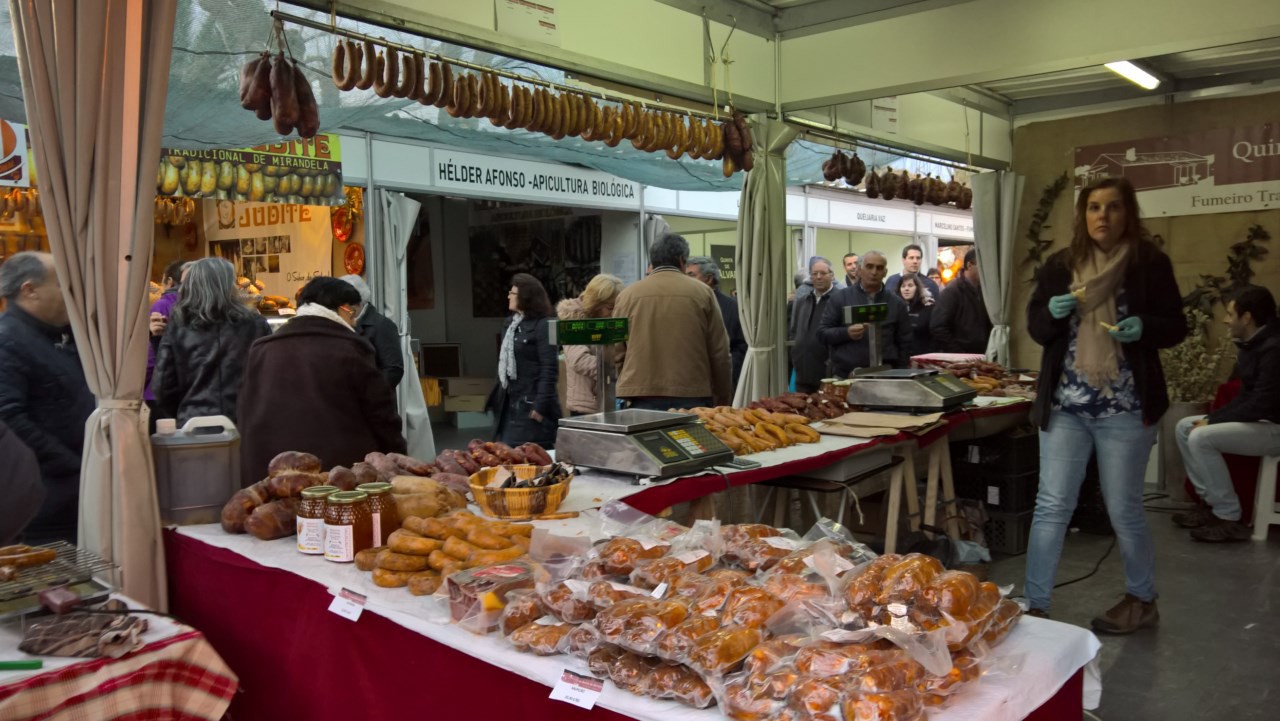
(763, 263)
(94, 78)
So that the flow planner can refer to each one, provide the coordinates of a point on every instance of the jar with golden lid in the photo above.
(310, 517)
(348, 526)
(382, 509)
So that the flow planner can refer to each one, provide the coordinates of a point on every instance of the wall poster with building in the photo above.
(1222, 170)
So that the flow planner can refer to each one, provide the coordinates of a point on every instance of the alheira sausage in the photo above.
(385, 85)
(433, 85)
(446, 85)
(370, 66)
(407, 80)
(338, 71)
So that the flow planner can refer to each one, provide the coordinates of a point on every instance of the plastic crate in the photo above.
(1000, 492)
(1006, 454)
(1007, 533)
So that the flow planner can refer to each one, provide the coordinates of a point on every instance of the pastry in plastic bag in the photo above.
(908, 577)
(895, 672)
(603, 594)
(619, 556)
(863, 586)
(636, 624)
(601, 659)
(523, 607)
(822, 659)
(664, 570)
(594, 571)
(583, 640)
(1002, 622)
(791, 587)
(801, 561)
(817, 699)
(566, 604)
(676, 643)
(772, 655)
(937, 690)
(706, 594)
(541, 639)
(892, 706)
(751, 607)
(740, 701)
(631, 672)
(721, 652)
(679, 682)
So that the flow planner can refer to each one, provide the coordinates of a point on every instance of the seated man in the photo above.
(1247, 426)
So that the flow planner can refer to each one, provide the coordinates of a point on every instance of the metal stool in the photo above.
(1264, 504)
(813, 486)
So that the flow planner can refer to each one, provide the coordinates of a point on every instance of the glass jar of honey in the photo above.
(382, 508)
(348, 526)
(310, 517)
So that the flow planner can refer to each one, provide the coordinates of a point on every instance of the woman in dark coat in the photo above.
(313, 387)
(381, 332)
(524, 400)
(1102, 309)
(919, 302)
(206, 342)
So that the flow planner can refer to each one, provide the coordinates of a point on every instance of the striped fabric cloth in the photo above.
(179, 678)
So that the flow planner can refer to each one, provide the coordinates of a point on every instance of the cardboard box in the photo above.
(466, 386)
(465, 403)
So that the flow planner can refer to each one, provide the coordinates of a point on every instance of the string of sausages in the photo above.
(558, 114)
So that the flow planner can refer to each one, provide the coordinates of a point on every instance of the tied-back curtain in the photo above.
(388, 269)
(94, 78)
(763, 264)
(996, 197)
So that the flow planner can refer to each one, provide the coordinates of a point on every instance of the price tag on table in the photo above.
(348, 604)
(581, 691)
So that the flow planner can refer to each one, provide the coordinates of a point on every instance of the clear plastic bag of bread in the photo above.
(523, 608)
(563, 594)
(600, 659)
(678, 641)
(755, 546)
(617, 519)
(939, 689)
(816, 579)
(707, 593)
(863, 584)
(619, 556)
(544, 637)
(632, 672)
(957, 600)
(761, 696)
(583, 640)
(637, 624)
(908, 577)
(602, 594)
(681, 683)
(723, 651)
(750, 606)
(905, 705)
(697, 550)
(827, 534)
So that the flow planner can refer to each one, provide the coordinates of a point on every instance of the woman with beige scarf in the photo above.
(1101, 309)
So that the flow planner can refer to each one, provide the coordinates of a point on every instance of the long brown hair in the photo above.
(1081, 243)
(531, 297)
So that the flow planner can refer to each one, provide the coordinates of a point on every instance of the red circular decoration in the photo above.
(342, 224)
(353, 259)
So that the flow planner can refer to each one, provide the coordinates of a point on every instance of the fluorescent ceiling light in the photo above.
(1135, 74)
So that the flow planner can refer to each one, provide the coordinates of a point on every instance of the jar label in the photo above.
(377, 528)
(339, 543)
(311, 535)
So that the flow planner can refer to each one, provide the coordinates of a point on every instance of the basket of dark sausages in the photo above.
(521, 491)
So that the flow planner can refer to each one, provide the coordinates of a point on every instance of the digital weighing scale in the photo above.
(640, 443)
(917, 390)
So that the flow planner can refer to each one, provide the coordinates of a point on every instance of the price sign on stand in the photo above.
(581, 691)
(348, 604)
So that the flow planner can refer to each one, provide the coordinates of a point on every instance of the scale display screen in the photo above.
(594, 331)
(678, 444)
(945, 384)
(870, 313)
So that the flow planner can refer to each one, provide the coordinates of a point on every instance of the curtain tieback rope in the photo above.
(760, 348)
(121, 404)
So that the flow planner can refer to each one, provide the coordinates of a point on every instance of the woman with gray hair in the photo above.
(203, 352)
(381, 332)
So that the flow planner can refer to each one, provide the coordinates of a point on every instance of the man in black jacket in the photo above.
(809, 355)
(849, 345)
(708, 271)
(44, 398)
(960, 322)
(1247, 426)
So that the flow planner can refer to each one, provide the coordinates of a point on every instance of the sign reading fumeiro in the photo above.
(1217, 171)
(302, 172)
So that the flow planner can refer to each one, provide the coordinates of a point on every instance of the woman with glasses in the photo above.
(202, 353)
(525, 402)
(313, 387)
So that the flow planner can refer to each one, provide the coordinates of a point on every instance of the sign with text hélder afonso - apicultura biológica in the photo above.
(302, 172)
(1223, 170)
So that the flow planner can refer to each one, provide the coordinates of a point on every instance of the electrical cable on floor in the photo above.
(1092, 715)
(1096, 566)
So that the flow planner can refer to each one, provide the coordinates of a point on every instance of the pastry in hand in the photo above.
(1108, 326)
(1079, 294)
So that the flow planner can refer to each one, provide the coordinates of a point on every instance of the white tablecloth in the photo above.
(1036, 659)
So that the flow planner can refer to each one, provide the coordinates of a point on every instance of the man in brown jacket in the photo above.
(678, 352)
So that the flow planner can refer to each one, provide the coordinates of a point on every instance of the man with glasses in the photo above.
(809, 355)
(849, 344)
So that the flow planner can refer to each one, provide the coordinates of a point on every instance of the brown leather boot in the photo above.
(1131, 614)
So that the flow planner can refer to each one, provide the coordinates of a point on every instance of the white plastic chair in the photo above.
(1264, 505)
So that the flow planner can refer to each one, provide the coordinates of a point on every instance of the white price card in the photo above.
(579, 690)
(660, 591)
(348, 604)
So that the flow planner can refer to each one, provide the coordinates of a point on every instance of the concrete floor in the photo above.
(1217, 649)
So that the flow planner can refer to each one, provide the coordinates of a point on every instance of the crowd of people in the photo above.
(1102, 309)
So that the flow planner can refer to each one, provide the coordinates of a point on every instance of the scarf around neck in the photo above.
(319, 311)
(507, 355)
(1098, 281)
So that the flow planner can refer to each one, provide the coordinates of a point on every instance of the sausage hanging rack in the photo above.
(333, 29)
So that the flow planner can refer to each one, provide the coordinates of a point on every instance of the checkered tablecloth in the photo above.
(176, 676)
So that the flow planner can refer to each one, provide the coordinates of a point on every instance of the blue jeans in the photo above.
(1202, 450)
(1123, 445)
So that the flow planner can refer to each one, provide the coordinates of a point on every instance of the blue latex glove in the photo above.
(1128, 330)
(1061, 306)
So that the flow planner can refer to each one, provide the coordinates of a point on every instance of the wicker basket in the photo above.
(516, 502)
